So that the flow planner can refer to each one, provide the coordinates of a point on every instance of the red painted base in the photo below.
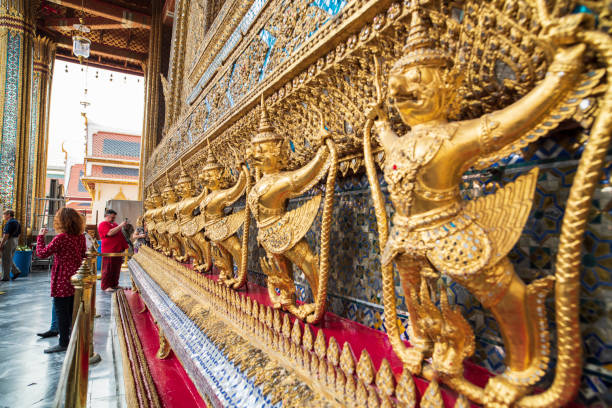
(376, 343)
(175, 388)
(343, 330)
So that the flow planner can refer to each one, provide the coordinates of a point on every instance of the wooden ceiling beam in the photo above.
(131, 18)
(107, 51)
(95, 23)
(116, 66)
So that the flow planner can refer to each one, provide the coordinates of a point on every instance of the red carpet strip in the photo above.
(174, 387)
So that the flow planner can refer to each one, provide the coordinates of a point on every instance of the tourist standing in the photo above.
(8, 245)
(113, 241)
(69, 250)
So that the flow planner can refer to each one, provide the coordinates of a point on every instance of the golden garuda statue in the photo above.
(152, 204)
(221, 229)
(434, 232)
(281, 232)
(170, 227)
(194, 244)
(158, 223)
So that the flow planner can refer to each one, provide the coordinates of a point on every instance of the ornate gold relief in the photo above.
(469, 83)
(281, 232)
(434, 232)
(221, 229)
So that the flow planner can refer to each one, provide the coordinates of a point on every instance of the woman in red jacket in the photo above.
(69, 250)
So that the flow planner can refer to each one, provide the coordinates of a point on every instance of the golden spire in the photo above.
(168, 186)
(211, 161)
(422, 48)
(184, 177)
(266, 132)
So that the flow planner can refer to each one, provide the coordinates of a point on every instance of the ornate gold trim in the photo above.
(286, 360)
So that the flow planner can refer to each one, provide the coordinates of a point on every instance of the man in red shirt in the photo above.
(113, 241)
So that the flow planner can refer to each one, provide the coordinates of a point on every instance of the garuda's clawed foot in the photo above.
(202, 268)
(236, 284)
(500, 393)
(413, 360)
(225, 279)
(305, 312)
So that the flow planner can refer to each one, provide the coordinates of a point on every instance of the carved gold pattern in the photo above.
(420, 155)
(466, 90)
(268, 353)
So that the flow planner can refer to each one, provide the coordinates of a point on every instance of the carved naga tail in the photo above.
(244, 249)
(328, 206)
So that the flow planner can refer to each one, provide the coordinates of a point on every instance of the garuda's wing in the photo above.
(290, 228)
(503, 215)
(225, 227)
(564, 110)
(160, 227)
(172, 227)
(193, 226)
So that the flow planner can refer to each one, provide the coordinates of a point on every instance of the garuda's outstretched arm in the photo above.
(499, 129)
(302, 179)
(233, 193)
(195, 202)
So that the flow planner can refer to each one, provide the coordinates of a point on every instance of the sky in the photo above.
(116, 104)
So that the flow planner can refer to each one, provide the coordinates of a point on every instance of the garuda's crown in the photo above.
(153, 192)
(421, 47)
(211, 162)
(168, 186)
(184, 177)
(266, 131)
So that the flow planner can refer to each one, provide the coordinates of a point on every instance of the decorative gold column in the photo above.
(177, 61)
(152, 84)
(44, 56)
(16, 36)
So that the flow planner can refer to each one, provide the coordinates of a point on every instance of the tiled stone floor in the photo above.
(28, 377)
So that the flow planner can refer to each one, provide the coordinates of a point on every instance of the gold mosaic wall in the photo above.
(306, 56)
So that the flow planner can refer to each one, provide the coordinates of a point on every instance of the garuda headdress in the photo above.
(422, 48)
(168, 187)
(211, 162)
(266, 131)
(184, 177)
(153, 193)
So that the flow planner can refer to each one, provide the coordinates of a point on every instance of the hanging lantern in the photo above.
(81, 45)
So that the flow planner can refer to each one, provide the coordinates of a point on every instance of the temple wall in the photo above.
(355, 290)
(301, 54)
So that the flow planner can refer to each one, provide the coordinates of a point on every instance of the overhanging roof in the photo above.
(119, 30)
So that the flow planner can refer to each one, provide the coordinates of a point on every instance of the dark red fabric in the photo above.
(111, 269)
(69, 251)
(111, 243)
(174, 387)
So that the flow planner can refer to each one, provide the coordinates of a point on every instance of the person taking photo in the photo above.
(69, 250)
